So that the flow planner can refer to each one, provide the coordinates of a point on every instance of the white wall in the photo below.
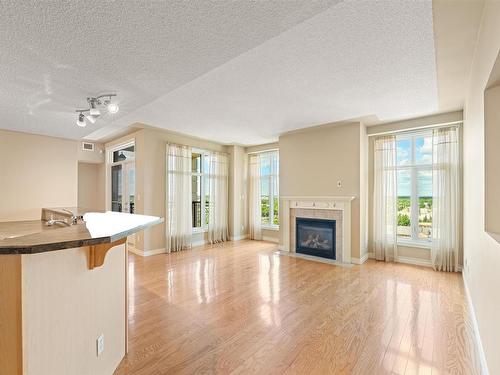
(481, 252)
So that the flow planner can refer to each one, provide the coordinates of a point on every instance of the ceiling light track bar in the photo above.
(94, 111)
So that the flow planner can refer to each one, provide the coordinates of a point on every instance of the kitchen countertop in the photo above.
(34, 236)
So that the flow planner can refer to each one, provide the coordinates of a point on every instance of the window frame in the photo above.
(272, 177)
(203, 189)
(413, 169)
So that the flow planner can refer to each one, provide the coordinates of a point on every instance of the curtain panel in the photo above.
(385, 198)
(179, 185)
(446, 211)
(218, 197)
(254, 203)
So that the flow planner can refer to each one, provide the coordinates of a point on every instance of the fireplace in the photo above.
(315, 237)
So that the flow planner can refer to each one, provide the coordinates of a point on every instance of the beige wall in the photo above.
(313, 160)
(86, 156)
(35, 172)
(481, 251)
(91, 186)
(363, 192)
(237, 192)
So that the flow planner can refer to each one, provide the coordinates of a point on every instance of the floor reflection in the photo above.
(269, 288)
(205, 280)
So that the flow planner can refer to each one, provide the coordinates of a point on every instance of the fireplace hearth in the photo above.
(316, 237)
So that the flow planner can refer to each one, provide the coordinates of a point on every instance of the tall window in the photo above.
(414, 187)
(269, 183)
(200, 197)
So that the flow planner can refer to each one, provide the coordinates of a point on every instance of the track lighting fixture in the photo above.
(92, 107)
(94, 110)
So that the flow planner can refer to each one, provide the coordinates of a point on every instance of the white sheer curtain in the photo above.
(179, 216)
(254, 209)
(218, 197)
(385, 198)
(445, 199)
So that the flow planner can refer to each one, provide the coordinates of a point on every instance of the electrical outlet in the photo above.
(100, 344)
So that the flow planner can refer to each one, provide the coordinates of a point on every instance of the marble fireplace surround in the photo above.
(332, 208)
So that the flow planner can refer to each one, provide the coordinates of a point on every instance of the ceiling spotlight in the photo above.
(91, 118)
(95, 112)
(81, 120)
(92, 104)
(113, 108)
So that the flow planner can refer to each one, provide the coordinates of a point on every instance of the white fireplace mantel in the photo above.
(318, 203)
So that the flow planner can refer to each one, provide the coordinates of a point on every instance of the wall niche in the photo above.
(492, 152)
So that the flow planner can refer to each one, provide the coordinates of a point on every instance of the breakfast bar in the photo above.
(63, 291)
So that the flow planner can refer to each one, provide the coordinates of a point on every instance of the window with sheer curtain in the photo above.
(269, 188)
(414, 188)
(416, 201)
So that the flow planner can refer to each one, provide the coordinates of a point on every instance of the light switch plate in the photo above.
(100, 345)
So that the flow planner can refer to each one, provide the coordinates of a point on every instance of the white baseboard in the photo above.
(162, 250)
(238, 238)
(270, 239)
(361, 260)
(408, 260)
(314, 258)
(477, 336)
(146, 253)
(414, 261)
(198, 243)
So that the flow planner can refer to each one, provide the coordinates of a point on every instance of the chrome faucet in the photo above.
(72, 220)
(54, 221)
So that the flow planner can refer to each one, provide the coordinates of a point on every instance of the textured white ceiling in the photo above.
(54, 54)
(231, 71)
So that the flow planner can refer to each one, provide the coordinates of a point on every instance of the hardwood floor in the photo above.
(239, 308)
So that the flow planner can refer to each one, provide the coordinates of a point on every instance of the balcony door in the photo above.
(123, 187)
(121, 195)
